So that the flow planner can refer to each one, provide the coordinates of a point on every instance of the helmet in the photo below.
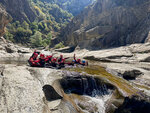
(49, 56)
(42, 56)
(54, 59)
(73, 61)
(83, 61)
(61, 56)
(35, 55)
(79, 60)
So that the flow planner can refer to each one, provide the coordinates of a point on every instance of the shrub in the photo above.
(36, 39)
(60, 45)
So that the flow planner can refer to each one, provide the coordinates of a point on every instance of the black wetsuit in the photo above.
(42, 62)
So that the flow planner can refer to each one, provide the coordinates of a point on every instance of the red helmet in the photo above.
(79, 60)
(50, 56)
(42, 55)
(61, 56)
(54, 59)
(35, 55)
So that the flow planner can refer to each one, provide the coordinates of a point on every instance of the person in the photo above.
(54, 62)
(48, 60)
(61, 61)
(78, 61)
(33, 60)
(35, 52)
(42, 60)
(70, 63)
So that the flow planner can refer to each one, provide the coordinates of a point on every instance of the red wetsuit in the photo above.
(33, 60)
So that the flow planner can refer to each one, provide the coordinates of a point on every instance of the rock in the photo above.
(4, 20)
(20, 10)
(107, 24)
(66, 49)
(21, 90)
(134, 105)
(10, 49)
(85, 85)
(126, 71)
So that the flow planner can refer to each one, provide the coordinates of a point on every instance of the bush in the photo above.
(22, 35)
(60, 45)
(9, 36)
(36, 39)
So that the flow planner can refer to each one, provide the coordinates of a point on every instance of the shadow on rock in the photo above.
(50, 93)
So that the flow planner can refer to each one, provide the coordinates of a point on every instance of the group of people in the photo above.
(50, 61)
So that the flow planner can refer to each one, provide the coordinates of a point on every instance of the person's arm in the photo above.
(74, 57)
(37, 61)
(66, 57)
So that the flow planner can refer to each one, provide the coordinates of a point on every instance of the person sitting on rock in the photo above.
(33, 60)
(84, 63)
(48, 60)
(78, 61)
(54, 62)
(42, 60)
(61, 61)
(70, 63)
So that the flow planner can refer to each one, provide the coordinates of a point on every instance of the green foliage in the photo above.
(22, 35)
(25, 25)
(36, 39)
(9, 36)
(51, 12)
(34, 27)
(52, 15)
(60, 45)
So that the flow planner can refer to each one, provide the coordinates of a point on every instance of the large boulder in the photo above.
(21, 88)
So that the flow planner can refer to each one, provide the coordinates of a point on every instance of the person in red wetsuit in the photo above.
(33, 60)
(42, 60)
(78, 61)
(48, 59)
(61, 61)
(54, 62)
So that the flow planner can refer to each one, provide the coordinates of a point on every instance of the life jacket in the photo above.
(32, 60)
(48, 58)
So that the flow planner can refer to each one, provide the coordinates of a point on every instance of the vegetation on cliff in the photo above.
(49, 17)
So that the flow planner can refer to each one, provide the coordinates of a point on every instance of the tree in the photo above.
(36, 39)
(25, 25)
(22, 35)
(34, 27)
(47, 41)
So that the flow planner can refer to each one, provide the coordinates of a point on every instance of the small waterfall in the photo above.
(92, 92)
(85, 85)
